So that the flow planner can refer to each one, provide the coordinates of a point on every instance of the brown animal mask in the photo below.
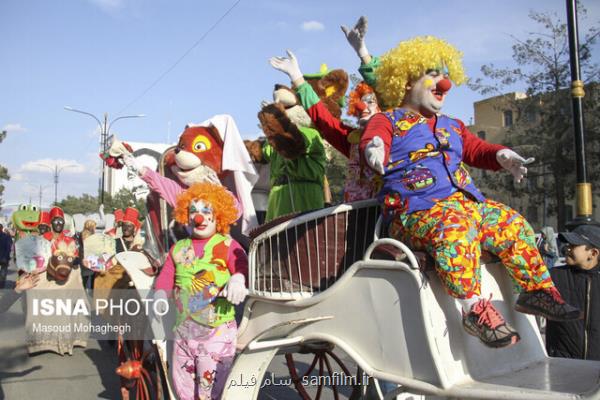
(64, 254)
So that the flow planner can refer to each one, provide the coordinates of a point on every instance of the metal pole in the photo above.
(40, 197)
(55, 184)
(584, 188)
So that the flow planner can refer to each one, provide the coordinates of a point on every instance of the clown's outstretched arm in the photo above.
(165, 187)
(376, 141)
(481, 154)
(331, 128)
(356, 39)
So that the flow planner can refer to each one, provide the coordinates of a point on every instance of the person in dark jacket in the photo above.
(579, 283)
(5, 248)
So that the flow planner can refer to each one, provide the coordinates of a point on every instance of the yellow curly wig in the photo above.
(221, 201)
(410, 60)
(355, 97)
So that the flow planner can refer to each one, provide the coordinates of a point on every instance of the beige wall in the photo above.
(489, 117)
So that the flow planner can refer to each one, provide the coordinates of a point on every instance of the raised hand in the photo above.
(356, 36)
(288, 65)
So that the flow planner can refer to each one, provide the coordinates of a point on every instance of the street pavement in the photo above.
(90, 373)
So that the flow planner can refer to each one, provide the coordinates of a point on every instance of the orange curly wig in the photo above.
(221, 201)
(355, 97)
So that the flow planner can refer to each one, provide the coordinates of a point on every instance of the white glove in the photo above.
(235, 291)
(356, 36)
(375, 154)
(132, 163)
(288, 66)
(514, 163)
(117, 149)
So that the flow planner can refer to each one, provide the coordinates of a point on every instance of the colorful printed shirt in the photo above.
(424, 158)
(197, 270)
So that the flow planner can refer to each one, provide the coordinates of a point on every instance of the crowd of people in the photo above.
(402, 150)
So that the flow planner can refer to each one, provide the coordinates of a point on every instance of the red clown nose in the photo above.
(360, 107)
(444, 85)
(198, 220)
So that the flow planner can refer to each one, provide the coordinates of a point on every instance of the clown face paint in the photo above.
(426, 95)
(128, 229)
(43, 228)
(58, 224)
(369, 102)
(202, 220)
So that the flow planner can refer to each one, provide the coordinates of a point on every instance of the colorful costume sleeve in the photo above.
(378, 125)
(166, 279)
(167, 188)
(477, 152)
(332, 129)
(237, 260)
(367, 71)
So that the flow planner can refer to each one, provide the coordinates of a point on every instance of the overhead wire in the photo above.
(157, 80)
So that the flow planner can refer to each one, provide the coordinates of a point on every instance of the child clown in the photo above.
(207, 275)
(431, 200)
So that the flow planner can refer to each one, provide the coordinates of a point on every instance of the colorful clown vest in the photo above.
(424, 167)
(198, 281)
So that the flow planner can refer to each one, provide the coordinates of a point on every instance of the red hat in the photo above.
(131, 215)
(118, 213)
(56, 212)
(44, 218)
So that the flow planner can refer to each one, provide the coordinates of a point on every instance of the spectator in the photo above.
(547, 246)
(5, 248)
(579, 283)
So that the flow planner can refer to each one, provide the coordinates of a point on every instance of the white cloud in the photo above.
(312, 26)
(14, 128)
(17, 177)
(48, 165)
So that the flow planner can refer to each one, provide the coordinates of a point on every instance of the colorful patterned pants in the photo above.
(454, 232)
(202, 358)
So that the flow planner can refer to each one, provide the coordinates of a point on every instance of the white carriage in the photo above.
(325, 279)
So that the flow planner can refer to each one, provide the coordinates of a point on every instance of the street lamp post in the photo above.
(584, 188)
(56, 170)
(104, 132)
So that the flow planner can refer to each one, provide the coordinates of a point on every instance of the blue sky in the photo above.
(103, 56)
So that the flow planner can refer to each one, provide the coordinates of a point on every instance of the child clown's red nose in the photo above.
(360, 107)
(444, 85)
(198, 220)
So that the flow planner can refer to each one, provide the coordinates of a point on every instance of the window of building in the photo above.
(481, 135)
(532, 214)
(508, 118)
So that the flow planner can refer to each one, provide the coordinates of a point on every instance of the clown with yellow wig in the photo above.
(431, 200)
(207, 275)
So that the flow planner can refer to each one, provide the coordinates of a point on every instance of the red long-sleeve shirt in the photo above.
(476, 152)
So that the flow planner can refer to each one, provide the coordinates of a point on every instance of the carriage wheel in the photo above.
(323, 357)
(139, 370)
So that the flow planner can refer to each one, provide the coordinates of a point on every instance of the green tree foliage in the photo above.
(543, 125)
(87, 204)
(4, 176)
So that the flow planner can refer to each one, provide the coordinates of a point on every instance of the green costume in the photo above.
(199, 280)
(367, 71)
(296, 185)
(25, 220)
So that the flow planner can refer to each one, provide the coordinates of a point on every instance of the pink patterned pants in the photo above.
(202, 357)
